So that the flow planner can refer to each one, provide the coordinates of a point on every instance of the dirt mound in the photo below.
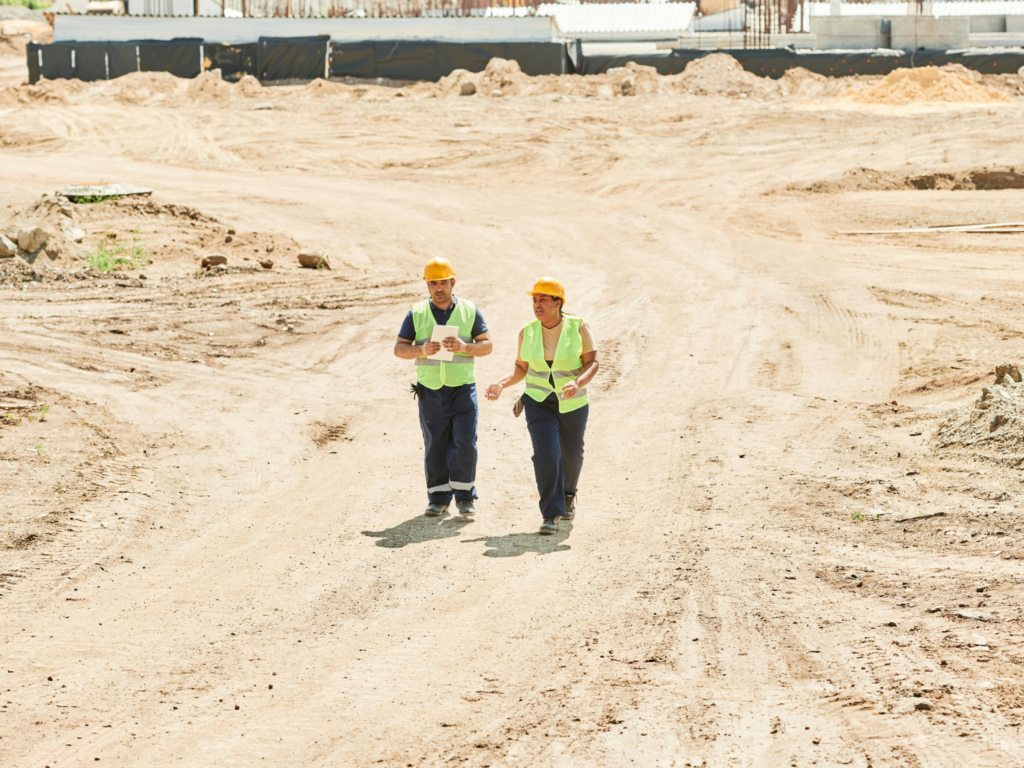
(503, 78)
(993, 427)
(719, 74)
(55, 215)
(503, 75)
(868, 179)
(138, 87)
(801, 83)
(249, 86)
(926, 85)
(320, 87)
(209, 87)
(59, 91)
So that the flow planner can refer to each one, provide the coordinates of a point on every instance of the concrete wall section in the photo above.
(848, 33)
(912, 32)
(540, 29)
(987, 24)
(1015, 24)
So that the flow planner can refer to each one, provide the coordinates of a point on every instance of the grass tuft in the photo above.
(111, 256)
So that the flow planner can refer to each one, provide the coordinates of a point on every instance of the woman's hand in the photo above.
(570, 390)
(494, 391)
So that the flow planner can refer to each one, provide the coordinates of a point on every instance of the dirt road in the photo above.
(215, 553)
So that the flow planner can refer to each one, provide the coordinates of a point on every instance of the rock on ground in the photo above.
(313, 260)
(32, 239)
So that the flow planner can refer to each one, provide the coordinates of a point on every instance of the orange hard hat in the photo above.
(551, 287)
(438, 269)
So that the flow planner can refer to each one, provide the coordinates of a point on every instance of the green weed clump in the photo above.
(111, 256)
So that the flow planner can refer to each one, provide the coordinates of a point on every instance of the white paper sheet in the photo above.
(439, 334)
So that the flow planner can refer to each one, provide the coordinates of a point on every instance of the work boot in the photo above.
(549, 526)
(467, 509)
(436, 509)
(570, 508)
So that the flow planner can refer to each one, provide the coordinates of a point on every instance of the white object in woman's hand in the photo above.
(494, 391)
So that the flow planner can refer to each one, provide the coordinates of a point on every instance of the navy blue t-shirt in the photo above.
(441, 318)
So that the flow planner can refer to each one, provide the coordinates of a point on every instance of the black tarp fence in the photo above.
(234, 60)
(292, 58)
(311, 57)
(181, 57)
(431, 59)
(90, 61)
(773, 63)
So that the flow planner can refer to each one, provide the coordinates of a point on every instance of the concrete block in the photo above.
(912, 32)
(849, 32)
(1014, 23)
(987, 24)
(997, 40)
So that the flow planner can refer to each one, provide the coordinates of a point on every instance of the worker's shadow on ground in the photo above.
(418, 530)
(516, 544)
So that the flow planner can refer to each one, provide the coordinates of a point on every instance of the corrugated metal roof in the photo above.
(615, 18)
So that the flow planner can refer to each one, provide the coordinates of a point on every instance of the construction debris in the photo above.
(94, 192)
(992, 426)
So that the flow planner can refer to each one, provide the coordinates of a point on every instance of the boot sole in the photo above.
(436, 514)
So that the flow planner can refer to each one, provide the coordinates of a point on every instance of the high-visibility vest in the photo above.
(567, 365)
(433, 374)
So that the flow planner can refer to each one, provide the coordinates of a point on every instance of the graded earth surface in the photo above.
(799, 535)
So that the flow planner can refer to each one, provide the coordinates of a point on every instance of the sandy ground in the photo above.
(212, 550)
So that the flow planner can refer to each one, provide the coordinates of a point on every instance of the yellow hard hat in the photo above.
(551, 287)
(438, 269)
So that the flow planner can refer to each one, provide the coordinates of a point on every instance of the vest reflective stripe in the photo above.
(434, 374)
(421, 342)
(567, 365)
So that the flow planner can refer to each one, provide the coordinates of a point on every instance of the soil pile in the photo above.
(320, 87)
(800, 83)
(249, 86)
(926, 85)
(721, 75)
(209, 87)
(864, 179)
(993, 427)
(56, 217)
(59, 91)
(139, 87)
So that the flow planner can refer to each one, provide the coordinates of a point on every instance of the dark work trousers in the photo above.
(448, 420)
(557, 451)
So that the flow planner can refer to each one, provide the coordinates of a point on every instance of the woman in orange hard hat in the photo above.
(557, 358)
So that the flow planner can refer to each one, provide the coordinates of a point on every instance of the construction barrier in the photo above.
(306, 58)
(431, 60)
(773, 63)
(292, 58)
(234, 60)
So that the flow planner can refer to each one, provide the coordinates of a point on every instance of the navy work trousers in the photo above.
(448, 419)
(557, 451)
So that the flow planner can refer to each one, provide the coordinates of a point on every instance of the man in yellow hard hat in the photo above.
(446, 391)
(558, 359)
